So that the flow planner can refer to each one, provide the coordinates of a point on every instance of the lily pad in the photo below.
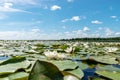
(65, 64)
(16, 76)
(48, 71)
(13, 64)
(109, 72)
(45, 71)
(19, 76)
(83, 66)
(104, 59)
(110, 75)
(76, 72)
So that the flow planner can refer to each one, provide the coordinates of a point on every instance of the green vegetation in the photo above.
(112, 39)
(59, 60)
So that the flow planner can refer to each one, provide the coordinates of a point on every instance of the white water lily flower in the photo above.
(111, 49)
(61, 56)
(86, 45)
(50, 54)
(70, 49)
(54, 55)
(75, 44)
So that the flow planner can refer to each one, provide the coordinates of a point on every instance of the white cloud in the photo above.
(109, 32)
(32, 34)
(55, 7)
(8, 7)
(70, 0)
(32, 2)
(96, 22)
(65, 20)
(35, 30)
(39, 34)
(86, 29)
(113, 17)
(75, 18)
(117, 34)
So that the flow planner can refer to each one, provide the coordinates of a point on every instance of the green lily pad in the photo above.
(108, 68)
(76, 72)
(13, 64)
(109, 72)
(65, 64)
(110, 75)
(30, 67)
(49, 71)
(83, 66)
(45, 71)
(4, 78)
(19, 76)
(16, 76)
(104, 59)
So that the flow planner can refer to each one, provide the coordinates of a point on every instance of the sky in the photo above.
(59, 19)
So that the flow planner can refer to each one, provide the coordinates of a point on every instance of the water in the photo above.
(3, 57)
(89, 72)
(116, 65)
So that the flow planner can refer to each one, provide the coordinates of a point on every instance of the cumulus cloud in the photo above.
(74, 18)
(96, 22)
(109, 32)
(86, 29)
(70, 0)
(8, 7)
(117, 33)
(55, 7)
(32, 2)
(65, 20)
(113, 17)
(41, 35)
(32, 34)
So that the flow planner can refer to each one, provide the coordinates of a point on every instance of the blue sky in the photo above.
(58, 19)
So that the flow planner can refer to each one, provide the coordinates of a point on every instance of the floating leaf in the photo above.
(83, 66)
(16, 76)
(76, 72)
(45, 71)
(13, 64)
(65, 64)
(4, 78)
(109, 72)
(110, 75)
(104, 59)
(19, 76)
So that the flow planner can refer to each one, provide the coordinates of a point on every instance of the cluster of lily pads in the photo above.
(59, 60)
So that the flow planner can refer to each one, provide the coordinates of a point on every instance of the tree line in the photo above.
(110, 39)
